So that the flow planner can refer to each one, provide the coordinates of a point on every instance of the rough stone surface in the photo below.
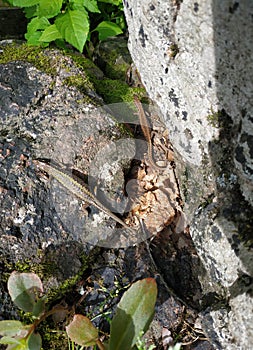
(195, 60)
(42, 116)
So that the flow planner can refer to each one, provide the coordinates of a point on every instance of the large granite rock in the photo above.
(195, 60)
(47, 111)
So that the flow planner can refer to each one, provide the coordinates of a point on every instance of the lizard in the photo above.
(77, 189)
(145, 129)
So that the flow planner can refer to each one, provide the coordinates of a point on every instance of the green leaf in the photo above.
(37, 23)
(113, 2)
(24, 289)
(91, 5)
(9, 340)
(34, 30)
(11, 328)
(82, 331)
(25, 3)
(74, 27)
(133, 315)
(39, 307)
(34, 40)
(49, 8)
(20, 344)
(30, 11)
(50, 34)
(106, 29)
(76, 5)
(34, 342)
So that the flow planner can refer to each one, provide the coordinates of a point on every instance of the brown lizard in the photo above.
(77, 189)
(145, 129)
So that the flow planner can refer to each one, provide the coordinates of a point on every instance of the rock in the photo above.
(47, 111)
(34, 106)
(195, 60)
(113, 58)
(45, 115)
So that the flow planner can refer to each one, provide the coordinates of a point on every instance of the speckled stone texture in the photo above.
(195, 60)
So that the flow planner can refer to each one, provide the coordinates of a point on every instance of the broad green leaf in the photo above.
(50, 34)
(11, 328)
(77, 5)
(34, 30)
(34, 39)
(113, 2)
(30, 11)
(133, 315)
(37, 23)
(91, 5)
(39, 307)
(9, 340)
(74, 27)
(24, 289)
(25, 3)
(106, 29)
(82, 331)
(49, 8)
(21, 344)
(34, 342)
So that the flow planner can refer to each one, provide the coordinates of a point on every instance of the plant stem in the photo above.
(43, 317)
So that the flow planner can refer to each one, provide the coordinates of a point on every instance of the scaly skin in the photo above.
(145, 129)
(77, 189)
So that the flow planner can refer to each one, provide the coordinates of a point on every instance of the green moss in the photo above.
(52, 339)
(114, 57)
(81, 83)
(44, 62)
(115, 91)
(173, 50)
(24, 266)
(81, 61)
(116, 71)
(214, 119)
(112, 90)
(66, 287)
(31, 54)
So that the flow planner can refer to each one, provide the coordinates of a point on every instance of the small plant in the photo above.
(24, 289)
(59, 20)
(133, 315)
(132, 318)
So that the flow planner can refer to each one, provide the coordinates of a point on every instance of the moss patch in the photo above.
(112, 90)
(114, 58)
(49, 64)
(33, 55)
(51, 339)
(214, 118)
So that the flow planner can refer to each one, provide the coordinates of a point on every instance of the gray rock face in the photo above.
(195, 60)
(41, 224)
